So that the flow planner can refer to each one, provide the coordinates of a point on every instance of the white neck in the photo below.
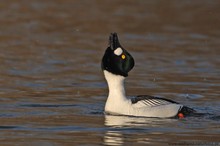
(117, 101)
(115, 85)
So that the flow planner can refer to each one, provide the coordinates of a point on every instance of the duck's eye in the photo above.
(123, 56)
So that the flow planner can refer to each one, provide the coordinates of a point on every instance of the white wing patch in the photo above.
(152, 102)
(118, 51)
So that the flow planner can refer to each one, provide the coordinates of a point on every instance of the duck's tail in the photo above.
(186, 111)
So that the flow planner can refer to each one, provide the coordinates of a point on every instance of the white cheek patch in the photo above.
(118, 51)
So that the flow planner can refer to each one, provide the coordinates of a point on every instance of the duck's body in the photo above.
(116, 64)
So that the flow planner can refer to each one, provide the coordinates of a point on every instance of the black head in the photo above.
(116, 59)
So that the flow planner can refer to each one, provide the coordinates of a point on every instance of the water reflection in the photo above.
(120, 126)
(128, 121)
(113, 138)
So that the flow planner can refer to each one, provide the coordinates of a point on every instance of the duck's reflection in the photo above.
(118, 124)
(113, 138)
(124, 121)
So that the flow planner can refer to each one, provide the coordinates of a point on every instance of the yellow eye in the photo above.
(123, 56)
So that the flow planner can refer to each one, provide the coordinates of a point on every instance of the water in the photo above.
(52, 88)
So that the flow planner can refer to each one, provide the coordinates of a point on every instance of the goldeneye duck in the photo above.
(116, 63)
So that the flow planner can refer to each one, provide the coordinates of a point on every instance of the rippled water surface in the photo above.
(52, 89)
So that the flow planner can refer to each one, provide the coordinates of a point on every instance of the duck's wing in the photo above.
(161, 104)
(151, 101)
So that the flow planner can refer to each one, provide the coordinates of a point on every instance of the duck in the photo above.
(116, 64)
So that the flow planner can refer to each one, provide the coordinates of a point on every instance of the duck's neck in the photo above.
(116, 86)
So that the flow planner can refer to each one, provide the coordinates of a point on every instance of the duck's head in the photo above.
(116, 59)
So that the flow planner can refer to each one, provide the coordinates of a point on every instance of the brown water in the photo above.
(52, 89)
